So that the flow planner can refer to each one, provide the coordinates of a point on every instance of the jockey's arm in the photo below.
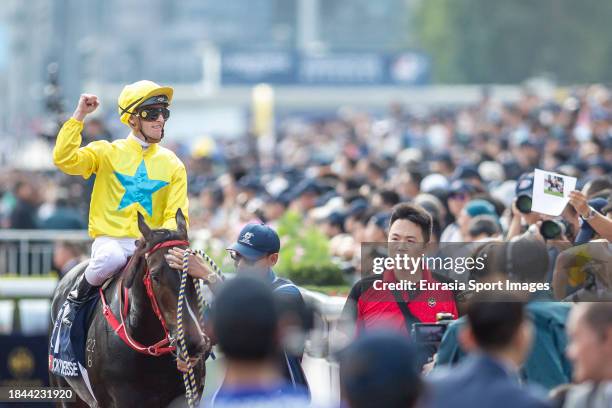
(72, 159)
(177, 198)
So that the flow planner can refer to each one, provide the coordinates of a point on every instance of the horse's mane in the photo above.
(162, 235)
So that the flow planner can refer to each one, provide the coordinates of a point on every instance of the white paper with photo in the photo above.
(551, 192)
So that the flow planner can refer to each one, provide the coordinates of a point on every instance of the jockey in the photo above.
(133, 175)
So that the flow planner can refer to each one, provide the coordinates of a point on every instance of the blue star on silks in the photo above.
(139, 188)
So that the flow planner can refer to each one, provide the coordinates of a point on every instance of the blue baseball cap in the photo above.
(524, 185)
(381, 220)
(249, 183)
(256, 241)
(466, 171)
(586, 232)
(306, 186)
(278, 198)
(322, 200)
(461, 186)
(336, 218)
(357, 207)
(599, 161)
(528, 143)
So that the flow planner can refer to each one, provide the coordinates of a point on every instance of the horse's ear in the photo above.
(135, 263)
(181, 223)
(143, 227)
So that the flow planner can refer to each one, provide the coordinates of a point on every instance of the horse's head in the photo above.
(165, 281)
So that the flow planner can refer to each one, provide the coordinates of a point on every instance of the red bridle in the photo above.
(161, 347)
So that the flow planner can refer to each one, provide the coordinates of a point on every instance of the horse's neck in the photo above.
(141, 321)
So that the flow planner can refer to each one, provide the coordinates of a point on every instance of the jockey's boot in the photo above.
(82, 292)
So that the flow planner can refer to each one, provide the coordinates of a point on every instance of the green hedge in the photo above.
(319, 275)
(305, 256)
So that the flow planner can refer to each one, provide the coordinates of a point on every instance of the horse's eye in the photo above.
(155, 278)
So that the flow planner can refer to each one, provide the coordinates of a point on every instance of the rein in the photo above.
(163, 346)
(189, 376)
(166, 345)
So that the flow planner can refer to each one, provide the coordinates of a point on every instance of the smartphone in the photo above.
(430, 333)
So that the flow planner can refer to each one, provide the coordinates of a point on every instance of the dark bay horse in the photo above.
(119, 375)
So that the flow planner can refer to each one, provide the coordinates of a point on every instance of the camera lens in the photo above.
(523, 203)
(551, 229)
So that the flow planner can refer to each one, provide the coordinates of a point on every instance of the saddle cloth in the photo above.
(67, 343)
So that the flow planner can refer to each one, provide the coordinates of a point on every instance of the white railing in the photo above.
(30, 252)
(326, 309)
(319, 364)
(25, 304)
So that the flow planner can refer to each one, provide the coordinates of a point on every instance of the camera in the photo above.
(554, 229)
(523, 203)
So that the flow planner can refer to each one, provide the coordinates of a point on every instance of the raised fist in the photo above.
(87, 104)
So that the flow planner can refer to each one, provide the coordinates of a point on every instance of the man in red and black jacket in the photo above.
(372, 305)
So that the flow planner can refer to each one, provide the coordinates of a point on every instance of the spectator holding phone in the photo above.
(370, 306)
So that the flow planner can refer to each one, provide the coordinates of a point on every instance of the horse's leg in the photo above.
(56, 381)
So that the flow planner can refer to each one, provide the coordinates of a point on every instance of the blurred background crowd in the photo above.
(276, 124)
(317, 118)
(337, 176)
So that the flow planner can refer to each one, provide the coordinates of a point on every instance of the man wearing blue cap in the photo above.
(305, 195)
(521, 207)
(593, 218)
(587, 233)
(459, 194)
(256, 249)
(255, 253)
(468, 173)
(471, 210)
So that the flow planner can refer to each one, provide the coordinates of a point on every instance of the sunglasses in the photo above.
(151, 114)
(236, 257)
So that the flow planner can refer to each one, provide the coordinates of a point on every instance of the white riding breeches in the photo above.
(108, 255)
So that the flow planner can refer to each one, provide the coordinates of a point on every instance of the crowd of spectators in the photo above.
(353, 175)
(381, 368)
(343, 172)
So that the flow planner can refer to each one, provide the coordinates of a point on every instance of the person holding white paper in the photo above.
(602, 224)
(551, 192)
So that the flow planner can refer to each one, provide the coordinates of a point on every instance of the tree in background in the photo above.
(483, 41)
